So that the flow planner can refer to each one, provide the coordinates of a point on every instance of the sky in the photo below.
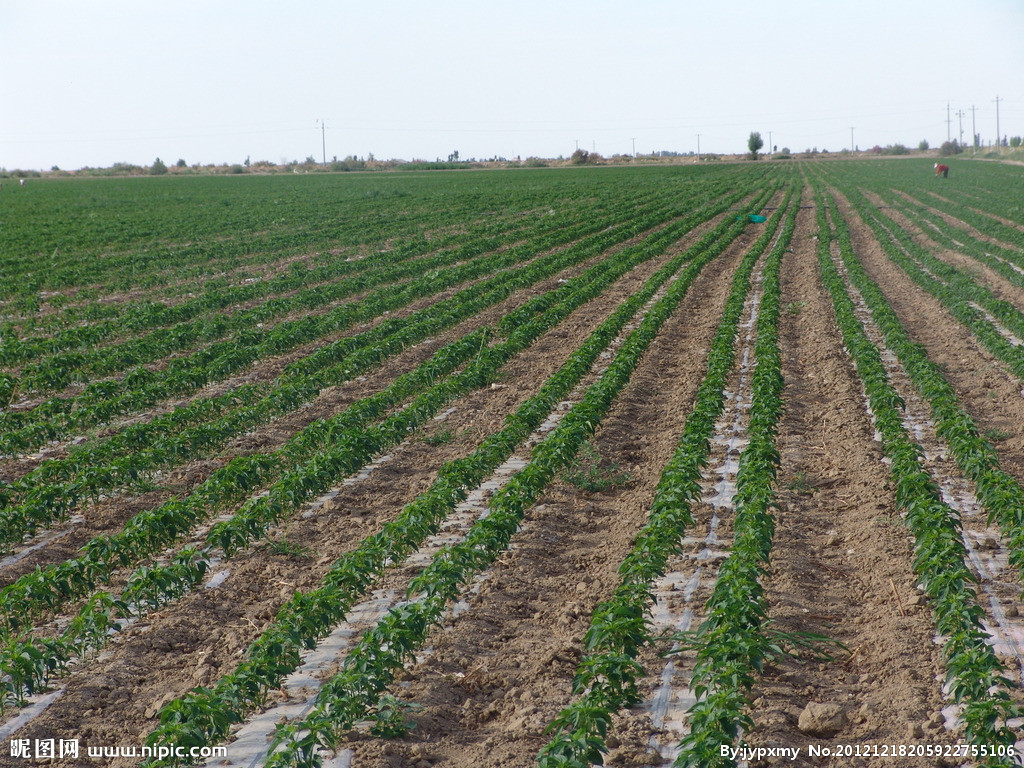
(218, 81)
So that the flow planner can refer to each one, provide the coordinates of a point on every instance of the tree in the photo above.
(754, 143)
(158, 168)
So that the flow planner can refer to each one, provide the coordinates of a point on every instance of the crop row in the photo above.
(370, 666)
(329, 285)
(732, 644)
(189, 321)
(148, 533)
(171, 239)
(218, 489)
(986, 206)
(975, 675)
(981, 196)
(84, 472)
(340, 448)
(183, 434)
(606, 680)
(142, 387)
(178, 296)
(1000, 494)
(308, 617)
(53, 491)
(316, 287)
(1007, 261)
(136, 230)
(949, 285)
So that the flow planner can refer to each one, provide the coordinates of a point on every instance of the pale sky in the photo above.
(94, 82)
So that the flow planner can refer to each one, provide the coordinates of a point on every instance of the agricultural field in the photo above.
(695, 465)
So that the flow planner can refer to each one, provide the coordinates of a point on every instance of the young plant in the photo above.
(591, 473)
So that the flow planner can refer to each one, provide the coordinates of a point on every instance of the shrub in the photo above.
(580, 157)
(158, 168)
(350, 163)
(950, 148)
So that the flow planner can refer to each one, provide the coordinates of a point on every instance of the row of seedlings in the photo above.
(52, 492)
(606, 680)
(1006, 261)
(322, 453)
(976, 678)
(733, 643)
(1000, 494)
(198, 716)
(225, 254)
(133, 238)
(205, 317)
(141, 387)
(971, 303)
(984, 206)
(244, 473)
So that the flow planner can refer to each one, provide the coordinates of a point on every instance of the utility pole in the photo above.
(852, 149)
(999, 136)
(323, 139)
(974, 127)
(698, 147)
(634, 146)
(769, 142)
(960, 116)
